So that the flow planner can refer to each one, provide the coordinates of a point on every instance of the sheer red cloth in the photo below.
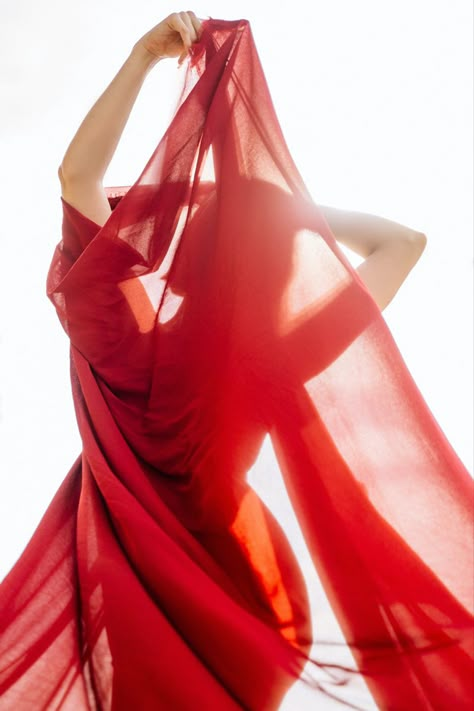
(210, 318)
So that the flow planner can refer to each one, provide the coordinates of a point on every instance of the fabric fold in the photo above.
(218, 333)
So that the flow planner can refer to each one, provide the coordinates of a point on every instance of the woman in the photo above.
(390, 250)
(203, 316)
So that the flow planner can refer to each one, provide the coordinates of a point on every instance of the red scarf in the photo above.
(205, 317)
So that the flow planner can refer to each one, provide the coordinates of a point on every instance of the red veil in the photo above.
(209, 317)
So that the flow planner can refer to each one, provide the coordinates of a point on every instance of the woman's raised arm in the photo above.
(88, 156)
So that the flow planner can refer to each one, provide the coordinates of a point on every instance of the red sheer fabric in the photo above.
(209, 317)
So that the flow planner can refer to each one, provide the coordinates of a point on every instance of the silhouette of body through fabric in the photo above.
(205, 316)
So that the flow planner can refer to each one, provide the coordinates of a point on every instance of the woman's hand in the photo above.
(173, 36)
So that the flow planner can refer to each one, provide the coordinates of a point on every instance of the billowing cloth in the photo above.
(212, 319)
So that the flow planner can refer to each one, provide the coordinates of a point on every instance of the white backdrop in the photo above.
(375, 101)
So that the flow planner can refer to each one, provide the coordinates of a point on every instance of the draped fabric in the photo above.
(218, 333)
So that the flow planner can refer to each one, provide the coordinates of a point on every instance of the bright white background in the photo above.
(375, 101)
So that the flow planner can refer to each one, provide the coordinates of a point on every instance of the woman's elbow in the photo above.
(412, 246)
(419, 241)
(65, 176)
(68, 175)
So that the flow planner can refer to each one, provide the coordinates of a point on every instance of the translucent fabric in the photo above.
(212, 321)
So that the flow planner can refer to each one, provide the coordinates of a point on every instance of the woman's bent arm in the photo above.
(391, 250)
(93, 146)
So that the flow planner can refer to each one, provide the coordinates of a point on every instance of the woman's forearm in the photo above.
(93, 146)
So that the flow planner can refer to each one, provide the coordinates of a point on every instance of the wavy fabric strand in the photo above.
(212, 319)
